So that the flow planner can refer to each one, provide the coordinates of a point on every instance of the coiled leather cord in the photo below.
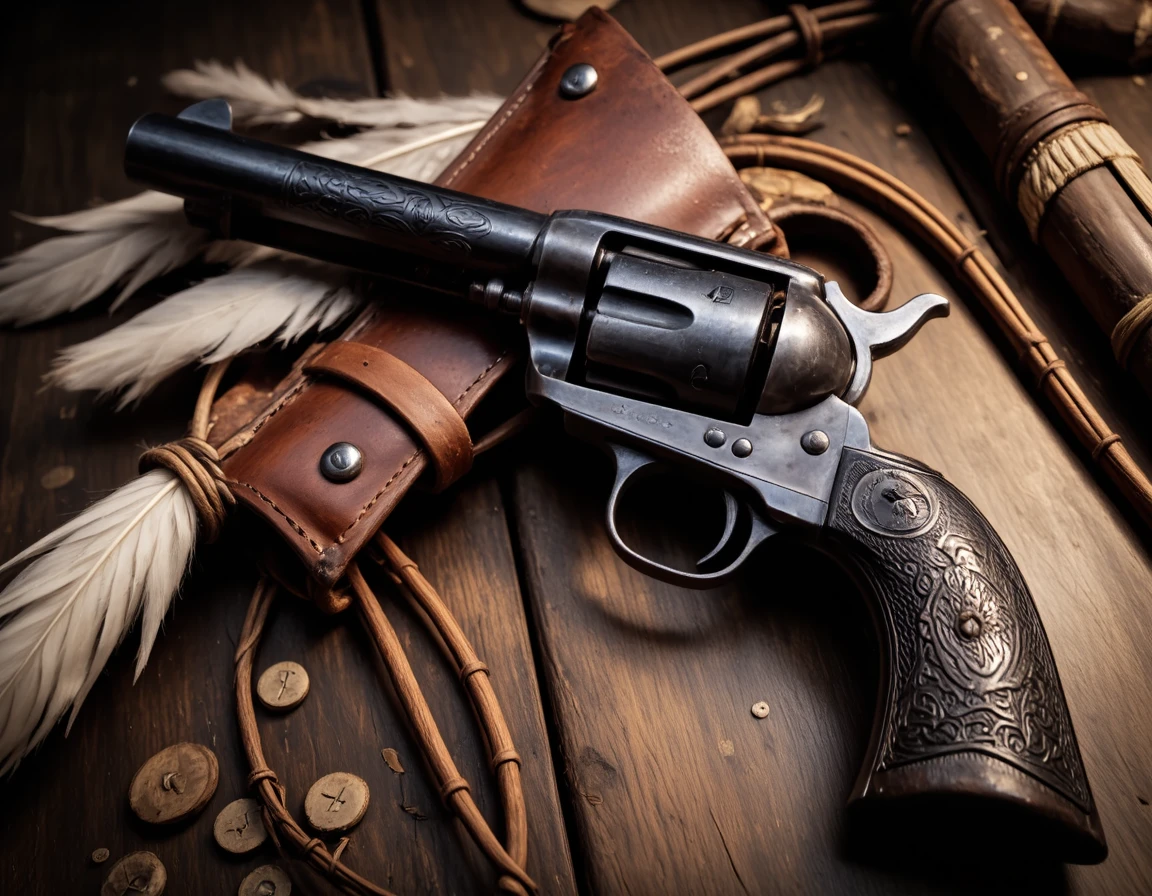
(908, 209)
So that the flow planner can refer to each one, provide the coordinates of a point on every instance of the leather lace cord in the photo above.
(196, 463)
(740, 71)
(913, 212)
(454, 789)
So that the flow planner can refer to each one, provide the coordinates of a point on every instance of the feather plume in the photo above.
(69, 608)
(257, 100)
(135, 240)
(279, 300)
(109, 245)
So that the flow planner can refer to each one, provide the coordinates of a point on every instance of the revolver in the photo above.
(738, 368)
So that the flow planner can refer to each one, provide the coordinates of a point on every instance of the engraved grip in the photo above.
(971, 710)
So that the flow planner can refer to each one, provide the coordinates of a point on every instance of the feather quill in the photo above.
(279, 300)
(67, 610)
(257, 100)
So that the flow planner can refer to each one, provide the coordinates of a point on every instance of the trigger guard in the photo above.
(631, 463)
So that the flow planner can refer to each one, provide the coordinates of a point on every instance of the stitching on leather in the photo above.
(376, 497)
(492, 133)
(296, 527)
(296, 390)
(483, 374)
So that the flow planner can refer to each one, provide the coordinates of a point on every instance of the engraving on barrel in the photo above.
(364, 201)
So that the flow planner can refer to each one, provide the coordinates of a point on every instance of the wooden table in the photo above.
(629, 699)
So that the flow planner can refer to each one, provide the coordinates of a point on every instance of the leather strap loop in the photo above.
(403, 389)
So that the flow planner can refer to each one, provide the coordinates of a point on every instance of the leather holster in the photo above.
(408, 372)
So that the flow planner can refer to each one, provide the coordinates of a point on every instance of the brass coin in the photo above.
(267, 880)
(336, 802)
(239, 828)
(137, 874)
(174, 784)
(283, 686)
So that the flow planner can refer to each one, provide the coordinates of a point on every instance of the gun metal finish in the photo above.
(739, 368)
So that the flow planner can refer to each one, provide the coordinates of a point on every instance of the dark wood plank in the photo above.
(672, 783)
(83, 78)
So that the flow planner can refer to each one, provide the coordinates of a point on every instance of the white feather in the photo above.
(63, 273)
(257, 100)
(277, 300)
(138, 239)
(62, 616)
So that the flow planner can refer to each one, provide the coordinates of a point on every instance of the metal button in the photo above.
(970, 625)
(714, 438)
(267, 880)
(239, 828)
(741, 447)
(342, 462)
(814, 442)
(580, 80)
(100, 856)
(760, 709)
(336, 802)
(174, 784)
(283, 686)
(138, 874)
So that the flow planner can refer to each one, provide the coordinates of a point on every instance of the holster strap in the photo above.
(433, 419)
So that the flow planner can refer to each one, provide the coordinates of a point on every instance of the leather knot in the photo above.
(197, 465)
(451, 786)
(811, 34)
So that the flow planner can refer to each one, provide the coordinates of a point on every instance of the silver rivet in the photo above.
(814, 442)
(714, 438)
(970, 625)
(580, 80)
(342, 462)
(741, 447)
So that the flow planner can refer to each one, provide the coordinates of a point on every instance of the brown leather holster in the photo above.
(407, 373)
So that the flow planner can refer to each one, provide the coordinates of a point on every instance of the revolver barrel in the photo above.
(271, 195)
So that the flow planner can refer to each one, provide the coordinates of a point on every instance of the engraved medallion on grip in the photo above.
(893, 502)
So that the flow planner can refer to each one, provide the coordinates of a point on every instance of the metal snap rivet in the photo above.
(741, 447)
(714, 438)
(579, 80)
(814, 442)
(760, 709)
(342, 462)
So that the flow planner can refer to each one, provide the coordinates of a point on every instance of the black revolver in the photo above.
(742, 369)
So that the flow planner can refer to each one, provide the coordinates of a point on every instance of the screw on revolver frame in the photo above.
(741, 447)
(341, 462)
(579, 80)
(814, 442)
(493, 296)
(714, 438)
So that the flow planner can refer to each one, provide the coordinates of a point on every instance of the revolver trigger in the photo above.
(731, 516)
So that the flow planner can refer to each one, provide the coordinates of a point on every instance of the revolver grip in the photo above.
(971, 712)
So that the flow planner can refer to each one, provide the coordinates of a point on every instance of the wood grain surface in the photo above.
(664, 780)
